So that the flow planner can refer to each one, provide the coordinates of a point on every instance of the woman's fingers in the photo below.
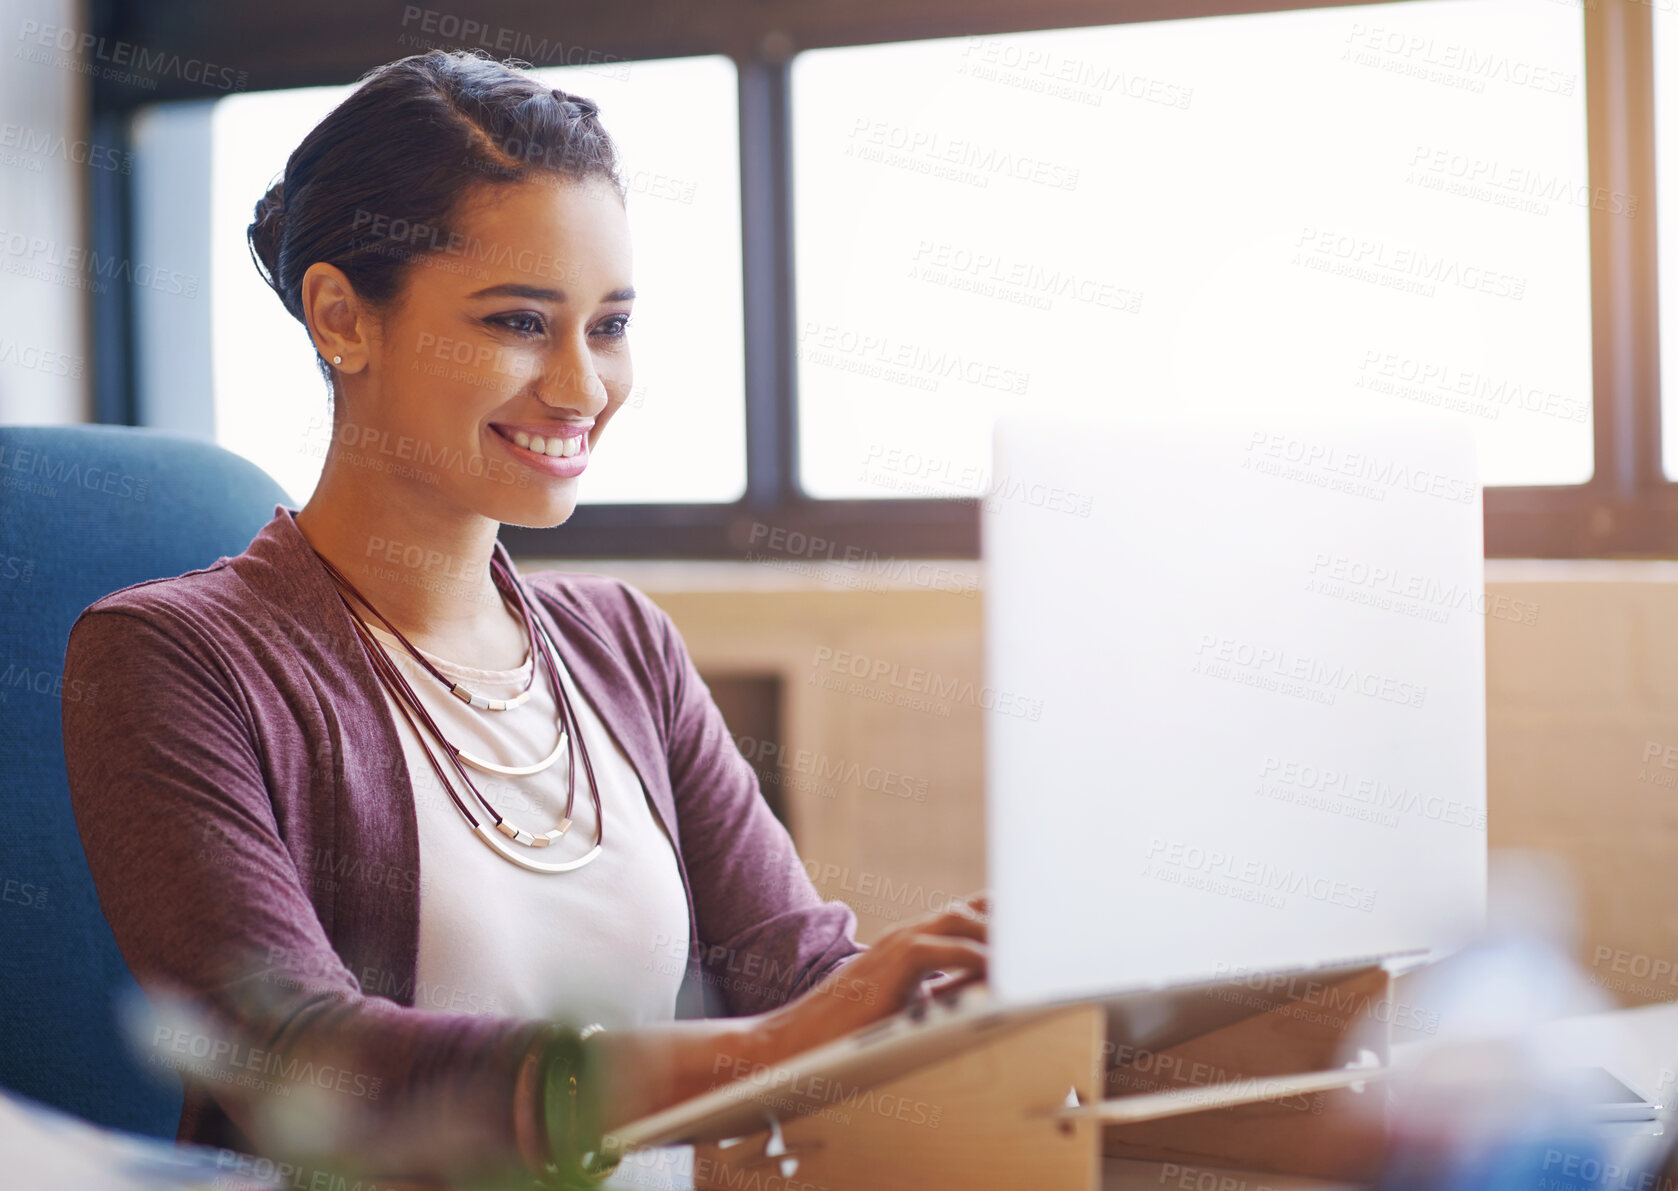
(934, 953)
(957, 918)
(908, 954)
(956, 922)
(945, 983)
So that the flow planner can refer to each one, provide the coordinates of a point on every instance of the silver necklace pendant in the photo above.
(483, 704)
(527, 860)
(514, 770)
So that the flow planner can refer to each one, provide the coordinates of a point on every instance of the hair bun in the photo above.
(576, 106)
(272, 204)
(265, 233)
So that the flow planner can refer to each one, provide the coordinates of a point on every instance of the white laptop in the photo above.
(1235, 692)
(1239, 674)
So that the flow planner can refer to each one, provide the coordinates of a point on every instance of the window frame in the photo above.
(1626, 510)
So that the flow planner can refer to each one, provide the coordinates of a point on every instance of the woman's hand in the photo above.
(652, 1067)
(884, 978)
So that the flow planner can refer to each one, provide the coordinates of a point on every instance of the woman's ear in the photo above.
(337, 317)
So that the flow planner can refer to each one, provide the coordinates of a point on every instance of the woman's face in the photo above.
(507, 355)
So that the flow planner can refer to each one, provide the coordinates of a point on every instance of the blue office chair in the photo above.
(85, 510)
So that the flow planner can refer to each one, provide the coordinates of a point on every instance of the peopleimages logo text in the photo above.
(1362, 465)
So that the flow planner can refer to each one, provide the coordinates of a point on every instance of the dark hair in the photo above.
(377, 184)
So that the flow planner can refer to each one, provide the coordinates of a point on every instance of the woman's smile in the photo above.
(557, 449)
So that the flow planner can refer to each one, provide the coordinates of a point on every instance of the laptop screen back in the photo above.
(1236, 698)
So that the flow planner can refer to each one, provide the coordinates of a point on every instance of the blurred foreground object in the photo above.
(49, 1150)
(1488, 1105)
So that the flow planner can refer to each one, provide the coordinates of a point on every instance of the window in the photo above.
(680, 438)
(1438, 208)
(1381, 209)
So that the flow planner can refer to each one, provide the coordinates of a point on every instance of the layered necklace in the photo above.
(526, 852)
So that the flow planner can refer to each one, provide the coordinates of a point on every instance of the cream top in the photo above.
(603, 943)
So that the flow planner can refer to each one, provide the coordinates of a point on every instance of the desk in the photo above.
(1640, 1046)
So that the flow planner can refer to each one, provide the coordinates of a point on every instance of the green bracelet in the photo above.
(569, 1101)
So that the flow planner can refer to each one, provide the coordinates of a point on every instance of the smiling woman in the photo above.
(414, 961)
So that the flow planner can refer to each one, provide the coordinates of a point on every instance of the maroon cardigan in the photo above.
(245, 805)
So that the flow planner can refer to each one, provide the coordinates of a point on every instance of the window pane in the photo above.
(1381, 208)
(681, 438)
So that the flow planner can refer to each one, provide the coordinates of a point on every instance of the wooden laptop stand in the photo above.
(1037, 1105)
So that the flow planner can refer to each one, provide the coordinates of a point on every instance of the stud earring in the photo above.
(337, 359)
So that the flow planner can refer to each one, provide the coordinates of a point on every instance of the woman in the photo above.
(347, 793)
